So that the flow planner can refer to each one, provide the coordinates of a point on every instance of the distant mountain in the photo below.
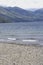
(39, 11)
(16, 14)
(32, 9)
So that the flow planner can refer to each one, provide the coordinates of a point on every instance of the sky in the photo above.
(26, 4)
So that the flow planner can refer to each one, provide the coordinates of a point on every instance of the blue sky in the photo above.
(26, 4)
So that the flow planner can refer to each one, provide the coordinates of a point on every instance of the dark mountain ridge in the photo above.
(16, 14)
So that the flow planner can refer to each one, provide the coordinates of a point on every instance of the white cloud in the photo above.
(23, 3)
(7, 2)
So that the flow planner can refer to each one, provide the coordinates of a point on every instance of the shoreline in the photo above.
(23, 44)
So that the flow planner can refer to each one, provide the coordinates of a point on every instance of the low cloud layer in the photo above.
(23, 3)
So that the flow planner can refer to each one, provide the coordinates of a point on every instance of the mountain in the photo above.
(16, 14)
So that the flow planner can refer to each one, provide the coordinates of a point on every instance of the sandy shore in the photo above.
(13, 54)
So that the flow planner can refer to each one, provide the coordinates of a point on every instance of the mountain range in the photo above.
(16, 14)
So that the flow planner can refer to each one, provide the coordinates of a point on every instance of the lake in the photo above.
(22, 31)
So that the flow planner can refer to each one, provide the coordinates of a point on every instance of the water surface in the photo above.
(20, 31)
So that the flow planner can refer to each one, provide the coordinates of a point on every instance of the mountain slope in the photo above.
(16, 14)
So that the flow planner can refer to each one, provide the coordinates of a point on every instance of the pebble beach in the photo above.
(15, 54)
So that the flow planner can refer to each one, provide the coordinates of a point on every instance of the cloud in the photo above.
(7, 2)
(23, 3)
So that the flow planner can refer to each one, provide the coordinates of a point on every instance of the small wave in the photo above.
(11, 38)
(29, 40)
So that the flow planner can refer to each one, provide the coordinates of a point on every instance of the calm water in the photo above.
(21, 31)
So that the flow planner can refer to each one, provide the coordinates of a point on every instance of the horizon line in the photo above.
(21, 7)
